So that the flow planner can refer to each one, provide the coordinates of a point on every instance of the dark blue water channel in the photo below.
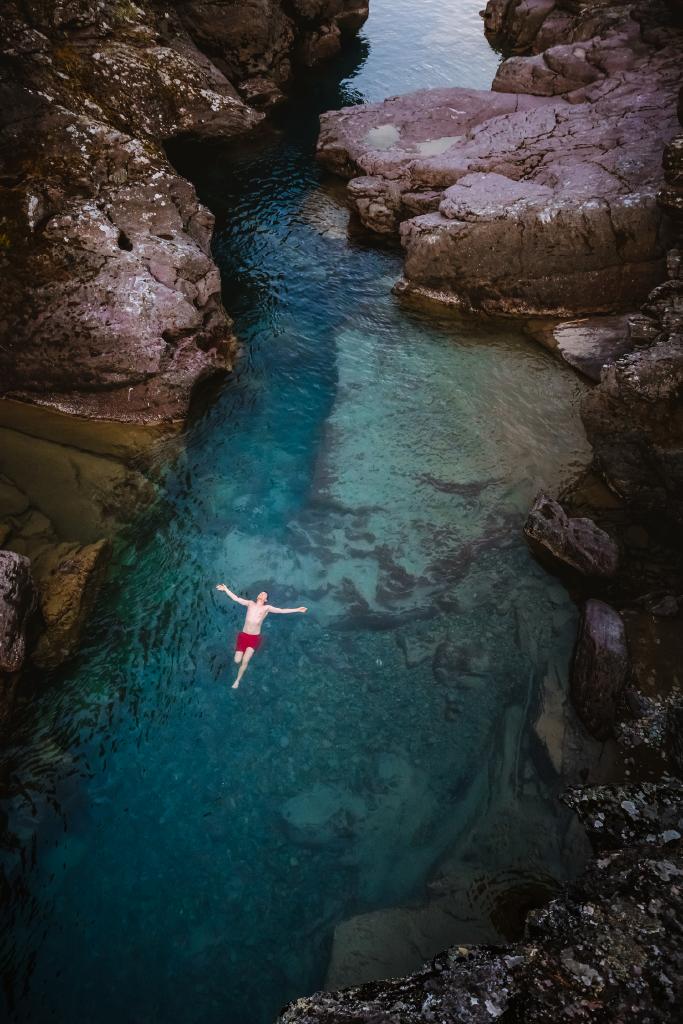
(179, 852)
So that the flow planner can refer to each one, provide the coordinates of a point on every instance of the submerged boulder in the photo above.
(576, 543)
(600, 667)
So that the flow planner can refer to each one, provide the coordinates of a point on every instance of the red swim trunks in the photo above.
(245, 640)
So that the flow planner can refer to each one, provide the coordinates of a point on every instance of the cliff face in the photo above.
(111, 303)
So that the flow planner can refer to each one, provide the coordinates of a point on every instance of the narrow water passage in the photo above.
(182, 853)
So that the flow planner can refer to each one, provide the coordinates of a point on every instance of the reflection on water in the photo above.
(181, 852)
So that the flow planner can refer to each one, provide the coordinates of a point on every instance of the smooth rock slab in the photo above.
(600, 668)
(576, 543)
(539, 199)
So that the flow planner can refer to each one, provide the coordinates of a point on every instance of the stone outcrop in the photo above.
(539, 197)
(608, 949)
(110, 305)
(600, 668)
(17, 603)
(587, 344)
(575, 543)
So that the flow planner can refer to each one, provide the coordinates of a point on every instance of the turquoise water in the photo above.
(181, 852)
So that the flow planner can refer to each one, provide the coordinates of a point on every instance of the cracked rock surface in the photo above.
(539, 197)
(110, 305)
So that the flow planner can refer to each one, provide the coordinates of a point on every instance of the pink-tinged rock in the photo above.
(592, 343)
(574, 543)
(600, 668)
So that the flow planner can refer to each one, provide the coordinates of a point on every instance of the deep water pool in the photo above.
(179, 852)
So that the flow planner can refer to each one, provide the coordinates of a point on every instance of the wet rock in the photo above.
(574, 756)
(17, 603)
(448, 663)
(619, 816)
(111, 303)
(665, 607)
(674, 737)
(322, 816)
(386, 943)
(634, 424)
(591, 343)
(600, 668)
(67, 595)
(576, 543)
(529, 179)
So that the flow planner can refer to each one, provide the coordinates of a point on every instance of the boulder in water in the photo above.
(574, 543)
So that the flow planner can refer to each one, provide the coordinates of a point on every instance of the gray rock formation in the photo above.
(576, 543)
(600, 668)
(111, 303)
(634, 418)
(17, 603)
(608, 949)
(541, 196)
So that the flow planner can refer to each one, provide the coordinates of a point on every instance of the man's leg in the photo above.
(243, 667)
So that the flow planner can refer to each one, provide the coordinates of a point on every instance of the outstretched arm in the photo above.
(226, 590)
(285, 611)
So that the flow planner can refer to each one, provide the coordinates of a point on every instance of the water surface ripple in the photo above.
(179, 852)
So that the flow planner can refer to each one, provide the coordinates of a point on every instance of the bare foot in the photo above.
(235, 684)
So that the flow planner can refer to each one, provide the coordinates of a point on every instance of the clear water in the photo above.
(179, 852)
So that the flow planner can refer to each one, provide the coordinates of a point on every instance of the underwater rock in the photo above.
(67, 594)
(588, 344)
(557, 168)
(17, 603)
(384, 943)
(607, 949)
(321, 816)
(618, 816)
(564, 744)
(600, 667)
(570, 542)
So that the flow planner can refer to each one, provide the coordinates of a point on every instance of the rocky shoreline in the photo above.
(495, 196)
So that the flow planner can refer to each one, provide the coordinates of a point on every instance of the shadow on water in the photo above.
(180, 852)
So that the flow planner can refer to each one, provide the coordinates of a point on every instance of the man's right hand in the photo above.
(221, 586)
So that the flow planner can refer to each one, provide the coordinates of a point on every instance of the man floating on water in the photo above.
(249, 640)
